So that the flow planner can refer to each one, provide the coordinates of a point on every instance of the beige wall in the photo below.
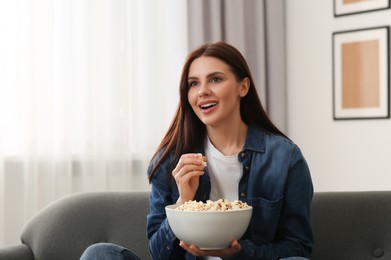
(343, 155)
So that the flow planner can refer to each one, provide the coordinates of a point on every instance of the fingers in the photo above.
(191, 164)
(184, 245)
(194, 250)
(235, 245)
(233, 249)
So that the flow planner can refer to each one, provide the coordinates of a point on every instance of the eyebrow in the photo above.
(208, 76)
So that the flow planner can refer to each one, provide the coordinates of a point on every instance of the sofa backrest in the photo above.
(351, 225)
(65, 228)
(346, 225)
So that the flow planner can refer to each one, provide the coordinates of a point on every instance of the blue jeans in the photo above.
(107, 251)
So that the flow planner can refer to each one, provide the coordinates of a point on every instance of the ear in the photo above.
(244, 87)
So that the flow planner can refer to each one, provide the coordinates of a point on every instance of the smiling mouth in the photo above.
(208, 105)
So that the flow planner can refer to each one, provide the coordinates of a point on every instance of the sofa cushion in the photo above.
(351, 225)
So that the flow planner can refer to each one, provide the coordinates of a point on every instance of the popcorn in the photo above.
(218, 205)
(202, 159)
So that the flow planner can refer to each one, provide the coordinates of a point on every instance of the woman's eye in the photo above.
(216, 79)
(193, 84)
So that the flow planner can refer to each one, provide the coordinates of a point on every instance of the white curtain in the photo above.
(87, 91)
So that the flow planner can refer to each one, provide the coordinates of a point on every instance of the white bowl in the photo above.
(209, 230)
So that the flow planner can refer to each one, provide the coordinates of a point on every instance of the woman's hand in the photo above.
(186, 174)
(226, 253)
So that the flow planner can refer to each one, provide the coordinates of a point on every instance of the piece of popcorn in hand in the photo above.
(202, 159)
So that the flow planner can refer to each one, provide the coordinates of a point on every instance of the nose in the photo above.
(204, 90)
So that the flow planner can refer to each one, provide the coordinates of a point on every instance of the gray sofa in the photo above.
(346, 225)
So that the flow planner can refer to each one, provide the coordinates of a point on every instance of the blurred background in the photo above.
(89, 87)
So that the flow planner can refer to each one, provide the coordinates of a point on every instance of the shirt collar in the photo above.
(255, 140)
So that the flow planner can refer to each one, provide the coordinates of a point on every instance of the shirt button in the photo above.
(247, 168)
(378, 252)
(242, 194)
(168, 248)
(242, 154)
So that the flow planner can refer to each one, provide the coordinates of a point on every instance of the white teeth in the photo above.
(208, 105)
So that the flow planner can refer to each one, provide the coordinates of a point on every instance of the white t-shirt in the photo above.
(225, 173)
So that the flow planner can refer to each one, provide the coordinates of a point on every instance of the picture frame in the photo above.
(361, 79)
(348, 7)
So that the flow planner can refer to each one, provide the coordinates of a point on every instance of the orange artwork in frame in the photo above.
(347, 7)
(361, 74)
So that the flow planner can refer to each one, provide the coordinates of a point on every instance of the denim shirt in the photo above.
(276, 182)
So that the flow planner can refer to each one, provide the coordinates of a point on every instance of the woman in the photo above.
(220, 115)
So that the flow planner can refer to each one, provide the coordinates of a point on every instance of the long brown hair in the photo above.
(186, 131)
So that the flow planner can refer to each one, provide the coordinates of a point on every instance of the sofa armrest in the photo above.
(16, 252)
(65, 228)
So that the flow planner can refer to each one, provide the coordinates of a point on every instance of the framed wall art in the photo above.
(361, 81)
(346, 7)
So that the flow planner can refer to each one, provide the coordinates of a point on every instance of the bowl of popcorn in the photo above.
(211, 225)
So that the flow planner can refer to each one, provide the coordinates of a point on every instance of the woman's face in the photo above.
(214, 92)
